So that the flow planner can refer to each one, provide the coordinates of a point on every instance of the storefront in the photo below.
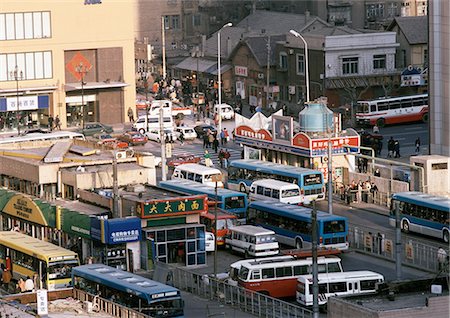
(115, 242)
(172, 231)
(28, 110)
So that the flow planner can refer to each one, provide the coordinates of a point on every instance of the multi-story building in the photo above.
(439, 77)
(414, 8)
(68, 59)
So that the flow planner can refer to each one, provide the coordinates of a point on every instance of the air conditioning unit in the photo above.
(121, 154)
(87, 306)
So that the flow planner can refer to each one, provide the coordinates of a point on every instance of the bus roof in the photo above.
(196, 168)
(270, 167)
(125, 281)
(339, 276)
(192, 187)
(275, 184)
(33, 246)
(252, 230)
(220, 215)
(424, 199)
(294, 211)
(388, 99)
(286, 261)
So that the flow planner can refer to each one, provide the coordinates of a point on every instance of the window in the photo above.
(275, 194)
(368, 284)
(300, 270)
(375, 10)
(283, 60)
(338, 287)
(196, 20)
(350, 65)
(382, 106)
(379, 61)
(260, 190)
(21, 25)
(268, 273)
(300, 64)
(32, 65)
(284, 271)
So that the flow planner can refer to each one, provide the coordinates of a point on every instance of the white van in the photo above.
(252, 241)
(284, 192)
(168, 108)
(226, 111)
(197, 173)
(153, 123)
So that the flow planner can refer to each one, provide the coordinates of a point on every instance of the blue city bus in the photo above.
(130, 290)
(422, 213)
(241, 174)
(292, 224)
(227, 200)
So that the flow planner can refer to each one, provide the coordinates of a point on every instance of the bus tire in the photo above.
(381, 122)
(298, 244)
(243, 188)
(425, 117)
(446, 236)
(405, 226)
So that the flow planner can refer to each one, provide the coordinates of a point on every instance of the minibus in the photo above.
(252, 241)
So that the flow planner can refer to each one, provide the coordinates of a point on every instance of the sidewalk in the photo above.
(370, 207)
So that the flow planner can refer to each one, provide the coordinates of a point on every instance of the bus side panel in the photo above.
(278, 288)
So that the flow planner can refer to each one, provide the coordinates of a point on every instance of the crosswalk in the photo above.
(197, 150)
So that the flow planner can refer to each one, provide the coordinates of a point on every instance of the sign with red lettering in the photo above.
(240, 71)
(246, 131)
(301, 140)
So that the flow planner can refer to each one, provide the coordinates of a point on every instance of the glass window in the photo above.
(191, 259)
(382, 106)
(368, 284)
(283, 60)
(350, 65)
(301, 270)
(284, 271)
(201, 258)
(235, 202)
(161, 236)
(268, 273)
(267, 192)
(196, 20)
(334, 268)
(290, 193)
(379, 61)
(275, 193)
(300, 64)
(191, 247)
(339, 287)
(333, 227)
(260, 190)
(395, 105)
(161, 249)
(175, 22)
(176, 235)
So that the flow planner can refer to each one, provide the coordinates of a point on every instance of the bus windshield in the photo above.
(312, 179)
(235, 202)
(330, 227)
(225, 223)
(165, 308)
(243, 273)
(208, 177)
(61, 269)
(362, 108)
(290, 193)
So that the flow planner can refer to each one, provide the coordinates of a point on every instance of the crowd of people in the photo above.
(357, 192)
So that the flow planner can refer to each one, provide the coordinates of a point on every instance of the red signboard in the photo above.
(320, 144)
(246, 131)
(301, 140)
(77, 61)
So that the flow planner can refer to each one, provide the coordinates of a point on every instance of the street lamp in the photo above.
(82, 70)
(163, 30)
(298, 35)
(17, 76)
(219, 77)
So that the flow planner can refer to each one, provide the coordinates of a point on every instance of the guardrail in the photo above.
(414, 253)
(237, 297)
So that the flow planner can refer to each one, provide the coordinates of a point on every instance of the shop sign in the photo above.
(24, 208)
(301, 140)
(241, 71)
(76, 223)
(116, 231)
(246, 131)
(25, 103)
(180, 206)
(319, 147)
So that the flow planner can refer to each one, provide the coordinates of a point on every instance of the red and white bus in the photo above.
(277, 277)
(225, 221)
(392, 110)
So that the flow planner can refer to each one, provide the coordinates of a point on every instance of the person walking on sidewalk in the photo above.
(417, 144)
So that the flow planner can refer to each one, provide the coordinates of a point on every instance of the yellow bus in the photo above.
(26, 256)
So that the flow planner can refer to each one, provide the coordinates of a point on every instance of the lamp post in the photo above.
(163, 30)
(298, 35)
(17, 75)
(82, 70)
(219, 78)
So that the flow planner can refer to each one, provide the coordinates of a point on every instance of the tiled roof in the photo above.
(415, 29)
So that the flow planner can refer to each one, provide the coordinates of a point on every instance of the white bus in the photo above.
(281, 191)
(252, 241)
(277, 276)
(392, 110)
(198, 173)
(152, 122)
(50, 136)
(337, 284)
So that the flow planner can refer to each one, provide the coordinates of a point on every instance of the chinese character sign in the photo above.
(173, 207)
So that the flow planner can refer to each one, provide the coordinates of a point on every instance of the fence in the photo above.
(106, 306)
(414, 253)
(237, 297)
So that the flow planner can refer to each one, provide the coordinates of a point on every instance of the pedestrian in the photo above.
(50, 122)
(226, 135)
(21, 285)
(221, 157)
(396, 149)
(130, 115)
(57, 123)
(226, 158)
(181, 138)
(417, 143)
(441, 258)
(29, 284)
(205, 140)
(207, 157)
(211, 138)
(29, 121)
(6, 277)
(391, 148)
(215, 144)
(222, 137)
(376, 129)
(377, 172)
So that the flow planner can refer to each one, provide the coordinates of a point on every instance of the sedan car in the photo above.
(107, 139)
(182, 159)
(133, 138)
(91, 129)
(203, 128)
(155, 134)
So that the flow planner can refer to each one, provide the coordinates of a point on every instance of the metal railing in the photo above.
(237, 297)
(414, 253)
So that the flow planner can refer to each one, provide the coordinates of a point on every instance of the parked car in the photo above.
(93, 128)
(154, 134)
(188, 132)
(226, 111)
(107, 139)
(182, 159)
(201, 129)
(133, 138)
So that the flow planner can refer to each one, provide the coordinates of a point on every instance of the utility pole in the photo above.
(330, 177)
(116, 212)
(315, 271)
(17, 75)
(398, 243)
(268, 71)
(163, 144)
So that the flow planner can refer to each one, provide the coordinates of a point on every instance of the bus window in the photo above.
(396, 105)
(383, 106)
(190, 176)
(256, 275)
(260, 190)
(267, 192)
(221, 224)
(243, 273)
(198, 178)
(322, 268)
(289, 193)
(268, 273)
(234, 202)
(339, 287)
(300, 270)
(284, 271)
(368, 284)
(334, 268)
(333, 227)
(373, 108)
(275, 193)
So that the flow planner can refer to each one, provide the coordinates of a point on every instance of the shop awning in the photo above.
(203, 66)
(5, 195)
(75, 223)
(94, 85)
